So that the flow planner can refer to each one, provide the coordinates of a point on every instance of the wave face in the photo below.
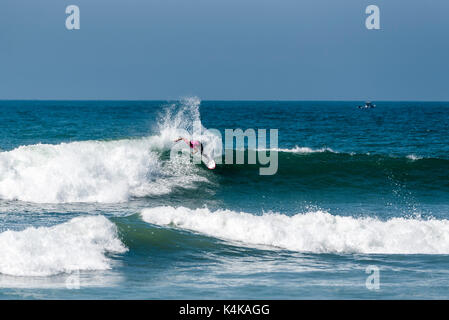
(101, 171)
(80, 244)
(315, 232)
(307, 169)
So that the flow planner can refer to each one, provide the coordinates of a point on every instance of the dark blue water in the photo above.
(92, 205)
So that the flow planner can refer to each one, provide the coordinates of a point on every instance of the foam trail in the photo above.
(304, 150)
(317, 232)
(80, 244)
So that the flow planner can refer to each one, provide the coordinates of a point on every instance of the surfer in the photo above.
(195, 145)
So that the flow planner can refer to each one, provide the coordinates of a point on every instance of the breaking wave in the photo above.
(102, 171)
(315, 232)
(79, 244)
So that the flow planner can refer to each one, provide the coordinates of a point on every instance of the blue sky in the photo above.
(225, 49)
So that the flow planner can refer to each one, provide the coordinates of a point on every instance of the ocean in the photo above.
(93, 205)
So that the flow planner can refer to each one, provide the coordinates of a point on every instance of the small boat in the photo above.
(368, 105)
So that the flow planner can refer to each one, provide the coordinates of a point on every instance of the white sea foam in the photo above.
(414, 157)
(79, 244)
(90, 171)
(317, 232)
(100, 171)
(305, 150)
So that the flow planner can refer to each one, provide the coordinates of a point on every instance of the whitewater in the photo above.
(314, 232)
(101, 171)
(80, 244)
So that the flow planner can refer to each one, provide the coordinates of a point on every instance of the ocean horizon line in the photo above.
(223, 100)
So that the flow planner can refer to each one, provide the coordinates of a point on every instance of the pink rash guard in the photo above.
(194, 144)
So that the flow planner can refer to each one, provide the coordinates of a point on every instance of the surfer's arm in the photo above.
(184, 139)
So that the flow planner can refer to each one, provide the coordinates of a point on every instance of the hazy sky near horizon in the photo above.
(225, 49)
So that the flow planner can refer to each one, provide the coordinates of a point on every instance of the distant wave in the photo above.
(298, 149)
(414, 157)
(306, 150)
(80, 244)
(315, 232)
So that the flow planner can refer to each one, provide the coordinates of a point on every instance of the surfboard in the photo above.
(210, 163)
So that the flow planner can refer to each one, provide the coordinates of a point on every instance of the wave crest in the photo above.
(100, 171)
(316, 232)
(80, 244)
